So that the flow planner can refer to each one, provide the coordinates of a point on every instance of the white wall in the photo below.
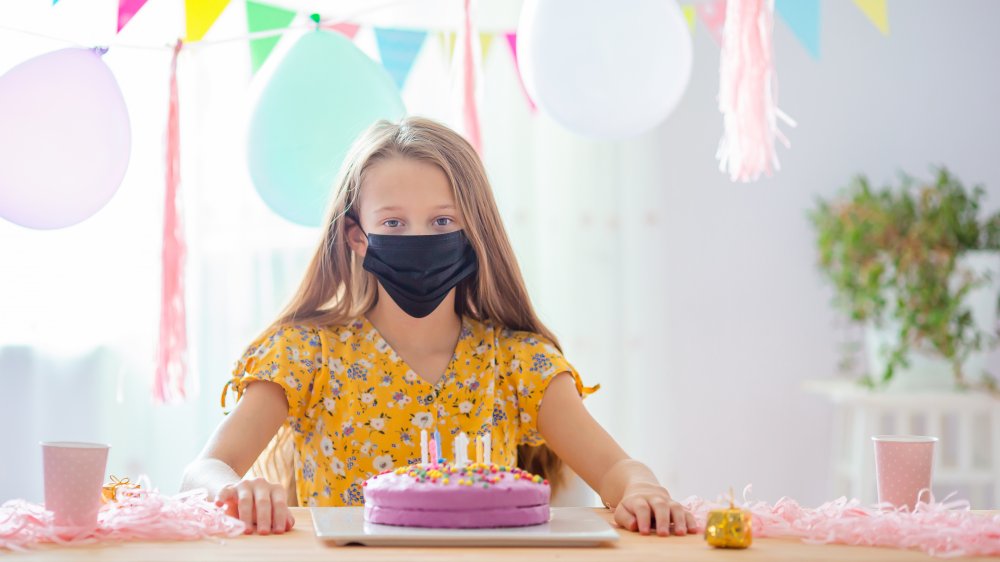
(747, 313)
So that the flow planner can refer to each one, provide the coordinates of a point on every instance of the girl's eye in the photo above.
(443, 221)
(391, 223)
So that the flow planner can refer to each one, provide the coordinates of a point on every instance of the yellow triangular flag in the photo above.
(448, 43)
(690, 14)
(877, 12)
(200, 15)
(485, 39)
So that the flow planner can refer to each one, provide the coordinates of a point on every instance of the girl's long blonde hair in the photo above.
(336, 289)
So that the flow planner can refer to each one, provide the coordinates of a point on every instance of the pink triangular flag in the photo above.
(512, 43)
(127, 9)
(348, 30)
(713, 15)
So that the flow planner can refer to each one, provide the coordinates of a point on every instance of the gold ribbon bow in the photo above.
(109, 492)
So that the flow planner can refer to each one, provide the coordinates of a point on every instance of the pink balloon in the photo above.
(64, 139)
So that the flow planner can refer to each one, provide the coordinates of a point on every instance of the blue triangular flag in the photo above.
(398, 49)
(803, 17)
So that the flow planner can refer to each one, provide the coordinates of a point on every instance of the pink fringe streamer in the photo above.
(748, 92)
(171, 366)
(470, 113)
(945, 529)
(139, 514)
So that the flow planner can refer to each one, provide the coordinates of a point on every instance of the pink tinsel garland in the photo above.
(139, 514)
(171, 365)
(748, 92)
(944, 529)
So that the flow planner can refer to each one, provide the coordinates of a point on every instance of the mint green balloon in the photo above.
(320, 98)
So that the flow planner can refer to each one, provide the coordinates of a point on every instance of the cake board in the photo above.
(568, 527)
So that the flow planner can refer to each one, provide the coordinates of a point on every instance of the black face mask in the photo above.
(418, 271)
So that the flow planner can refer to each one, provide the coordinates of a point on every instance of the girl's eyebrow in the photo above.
(397, 208)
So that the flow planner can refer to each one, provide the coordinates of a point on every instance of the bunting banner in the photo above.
(398, 48)
(876, 12)
(690, 15)
(802, 16)
(127, 9)
(713, 15)
(265, 17)
(348, 30)
(447, 39)
(199, 15)
(485, 41)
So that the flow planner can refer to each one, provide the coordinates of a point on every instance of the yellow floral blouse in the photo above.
(356, 409)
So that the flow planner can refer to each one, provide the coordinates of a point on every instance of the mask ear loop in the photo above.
(357, 223)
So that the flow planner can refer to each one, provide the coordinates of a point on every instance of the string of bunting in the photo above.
(398, 48)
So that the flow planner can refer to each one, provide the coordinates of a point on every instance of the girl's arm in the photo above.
(231, 451)
(625, 484)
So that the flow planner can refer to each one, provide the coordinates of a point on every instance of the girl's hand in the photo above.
(260, 504)
(647, 506)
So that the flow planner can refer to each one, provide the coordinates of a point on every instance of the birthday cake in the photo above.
(465, 495)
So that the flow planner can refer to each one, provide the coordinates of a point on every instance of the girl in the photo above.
(413, 316)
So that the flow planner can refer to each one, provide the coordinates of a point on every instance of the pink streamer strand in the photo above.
(139, 514)
(470, 112)
(168, 385)
(512, 43)
(748, 92)
(944, 529)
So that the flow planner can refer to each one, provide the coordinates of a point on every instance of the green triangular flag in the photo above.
(264, 17)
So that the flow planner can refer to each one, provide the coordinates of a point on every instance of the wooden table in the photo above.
(301, 544)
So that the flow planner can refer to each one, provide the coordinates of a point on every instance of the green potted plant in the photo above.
(918, 265)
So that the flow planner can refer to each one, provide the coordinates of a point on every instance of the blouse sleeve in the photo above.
(534, 362)
(290, 356)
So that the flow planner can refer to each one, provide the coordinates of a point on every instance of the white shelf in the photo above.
(964, 421)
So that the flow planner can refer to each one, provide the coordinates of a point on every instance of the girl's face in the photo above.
(404, 196)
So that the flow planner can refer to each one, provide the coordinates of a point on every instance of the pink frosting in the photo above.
(503, 517)
(476, 495)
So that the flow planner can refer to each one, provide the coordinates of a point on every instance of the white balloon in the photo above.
(604, 68)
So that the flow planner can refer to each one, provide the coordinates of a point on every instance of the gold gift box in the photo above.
(729, 528)
(109, 492)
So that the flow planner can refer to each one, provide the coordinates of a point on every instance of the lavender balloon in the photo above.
(64, 138)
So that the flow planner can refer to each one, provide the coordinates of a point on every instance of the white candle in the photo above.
(461, 449)
(487, 448)
(423, 447)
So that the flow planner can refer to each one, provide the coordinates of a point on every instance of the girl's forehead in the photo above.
(404, 183)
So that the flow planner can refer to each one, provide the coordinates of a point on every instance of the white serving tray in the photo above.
(569, 526)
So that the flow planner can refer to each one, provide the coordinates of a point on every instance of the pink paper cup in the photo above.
(903, 468)
(74, 476)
